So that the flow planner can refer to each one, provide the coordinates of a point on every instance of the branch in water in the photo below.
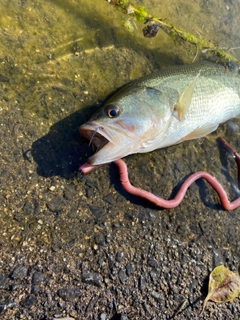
(154, 24)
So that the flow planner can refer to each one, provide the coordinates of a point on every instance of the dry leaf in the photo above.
(224, 286)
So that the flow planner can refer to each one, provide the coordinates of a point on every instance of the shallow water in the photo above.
(58, 61)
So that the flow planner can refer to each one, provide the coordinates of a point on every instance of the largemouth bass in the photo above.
(168, 107)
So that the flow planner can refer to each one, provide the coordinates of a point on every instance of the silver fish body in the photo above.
(165, 108)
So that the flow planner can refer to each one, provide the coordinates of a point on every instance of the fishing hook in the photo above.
(94, 132)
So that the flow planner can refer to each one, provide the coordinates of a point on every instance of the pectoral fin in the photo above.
(184, 100)
(200, 132)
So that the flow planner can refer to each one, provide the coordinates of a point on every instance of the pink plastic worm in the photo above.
(168, 204)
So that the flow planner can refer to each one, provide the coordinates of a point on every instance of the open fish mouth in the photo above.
(95, 134)
(108, 140)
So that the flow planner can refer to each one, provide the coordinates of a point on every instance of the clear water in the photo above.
(59, 57)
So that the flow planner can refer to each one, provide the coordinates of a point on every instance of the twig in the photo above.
(141, 14)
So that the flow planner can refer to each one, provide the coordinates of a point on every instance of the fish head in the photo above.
(128, 123)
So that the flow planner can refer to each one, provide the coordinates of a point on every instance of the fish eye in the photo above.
(112, 111)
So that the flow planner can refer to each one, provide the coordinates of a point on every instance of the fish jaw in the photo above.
(109, 142)
(95, 133)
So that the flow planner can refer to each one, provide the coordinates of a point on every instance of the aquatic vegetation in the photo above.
(154, 24)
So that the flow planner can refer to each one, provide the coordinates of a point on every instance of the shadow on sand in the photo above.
(62, 150)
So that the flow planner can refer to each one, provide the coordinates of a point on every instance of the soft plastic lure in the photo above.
(168, 204)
